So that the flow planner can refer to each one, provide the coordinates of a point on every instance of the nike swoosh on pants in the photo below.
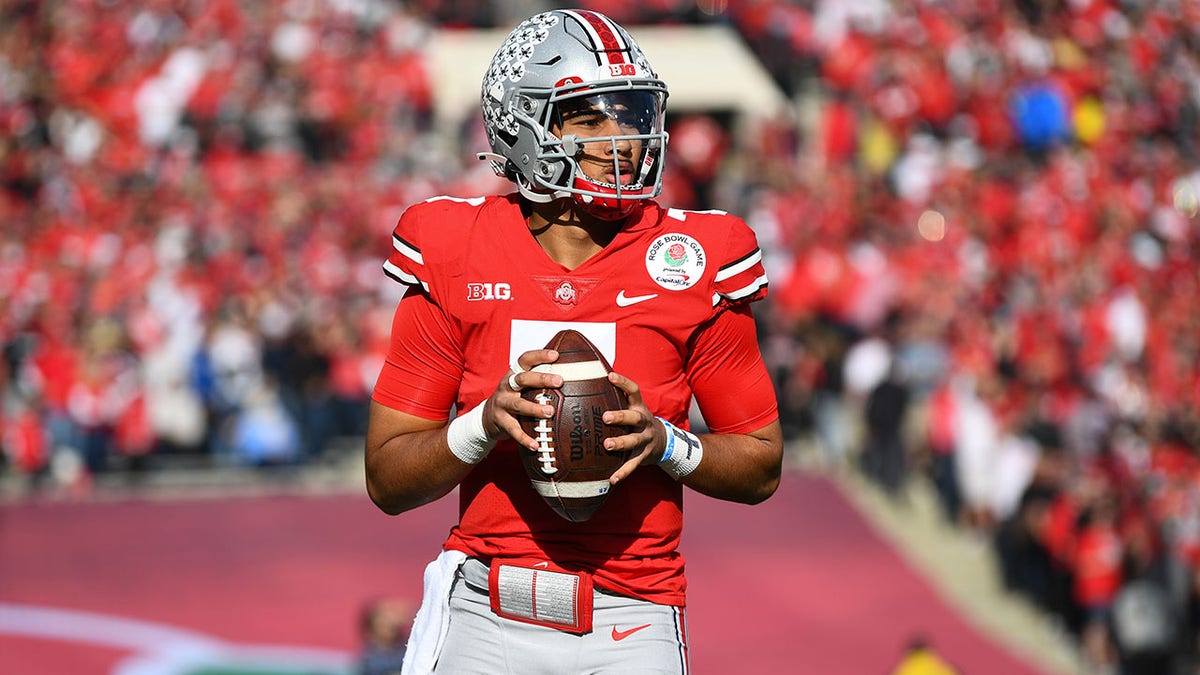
(618, 635)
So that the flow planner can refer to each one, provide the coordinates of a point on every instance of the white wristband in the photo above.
(683, 452)
(467, 438)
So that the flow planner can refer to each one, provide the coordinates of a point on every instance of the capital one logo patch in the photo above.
(488, 290)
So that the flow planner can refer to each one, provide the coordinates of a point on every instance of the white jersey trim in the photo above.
(406, 250)
(743, 292)
(741, 266)
(403, 277)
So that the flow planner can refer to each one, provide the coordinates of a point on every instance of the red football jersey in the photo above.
(666, 302)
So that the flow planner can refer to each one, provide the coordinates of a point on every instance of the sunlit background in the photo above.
(979, 220)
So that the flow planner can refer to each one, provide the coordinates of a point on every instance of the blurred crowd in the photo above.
(979, 219)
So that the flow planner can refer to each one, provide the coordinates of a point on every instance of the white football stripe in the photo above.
(590, 488)
(574, 372)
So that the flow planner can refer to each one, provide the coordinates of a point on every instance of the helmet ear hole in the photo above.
(505, 137)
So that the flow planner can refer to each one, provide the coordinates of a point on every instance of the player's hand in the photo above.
(503, 408)
(647, 438)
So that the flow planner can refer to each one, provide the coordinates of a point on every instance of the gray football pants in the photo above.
(628, 636)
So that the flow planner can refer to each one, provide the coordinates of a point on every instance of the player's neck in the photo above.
(567, 235)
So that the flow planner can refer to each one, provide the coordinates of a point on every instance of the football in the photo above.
(570, 470)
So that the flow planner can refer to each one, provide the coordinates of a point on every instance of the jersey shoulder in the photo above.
(432, 233)
(731, 247)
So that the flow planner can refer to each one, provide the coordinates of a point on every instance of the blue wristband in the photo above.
(681, 463)
(670, 429)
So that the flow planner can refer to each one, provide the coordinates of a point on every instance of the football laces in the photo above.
(544, 439)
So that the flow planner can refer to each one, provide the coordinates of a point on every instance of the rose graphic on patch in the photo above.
(676, 255)
(675, 261)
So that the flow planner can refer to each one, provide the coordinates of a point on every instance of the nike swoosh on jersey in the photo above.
(618, 635)
(625, 301)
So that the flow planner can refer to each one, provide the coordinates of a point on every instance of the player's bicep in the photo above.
(728, 377)
(387, 423)
(424, 364)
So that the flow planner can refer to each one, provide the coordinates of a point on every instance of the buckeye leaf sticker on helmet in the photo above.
(558, 63)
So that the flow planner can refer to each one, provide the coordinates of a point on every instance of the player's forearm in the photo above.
(739, 468)
(408, 461)
(412, 470)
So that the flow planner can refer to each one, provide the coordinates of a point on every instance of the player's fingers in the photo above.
(535, 357)
(504, 410)
(517, 406)
(539, 380)
(524, 376)
(628, 467)
(632, 442)
(628, 386)
(513, 383)
(510, 423)
(514, 430)
(629, 417)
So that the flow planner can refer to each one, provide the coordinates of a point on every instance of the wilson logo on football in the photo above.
(489, 291)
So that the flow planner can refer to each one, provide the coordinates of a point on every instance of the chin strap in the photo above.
(497, 161)
(539, 197)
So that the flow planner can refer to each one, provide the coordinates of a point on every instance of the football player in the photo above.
(574, 117)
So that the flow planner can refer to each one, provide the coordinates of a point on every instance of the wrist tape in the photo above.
(467, 438)
(683, 452)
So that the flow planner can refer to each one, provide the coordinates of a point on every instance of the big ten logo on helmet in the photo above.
(619, 70)
(489, 291)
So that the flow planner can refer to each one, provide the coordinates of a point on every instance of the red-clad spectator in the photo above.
(940, 435)
(1059, 535)
(849, 65)
(937, 100)
(839, 130)
(1097, 560)
(26, 442)
(1061, 273)
(698, 145)
(133, 434)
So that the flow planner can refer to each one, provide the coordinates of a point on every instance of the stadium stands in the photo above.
(993, 205)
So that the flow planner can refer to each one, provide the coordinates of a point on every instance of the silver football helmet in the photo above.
(556, 66)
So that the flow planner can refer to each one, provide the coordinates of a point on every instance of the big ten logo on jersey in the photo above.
(487, 290)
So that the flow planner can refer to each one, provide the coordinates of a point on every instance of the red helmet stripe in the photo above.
(604, 35)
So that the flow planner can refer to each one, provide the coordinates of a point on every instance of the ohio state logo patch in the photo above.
(565, 293)
(675, 261)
